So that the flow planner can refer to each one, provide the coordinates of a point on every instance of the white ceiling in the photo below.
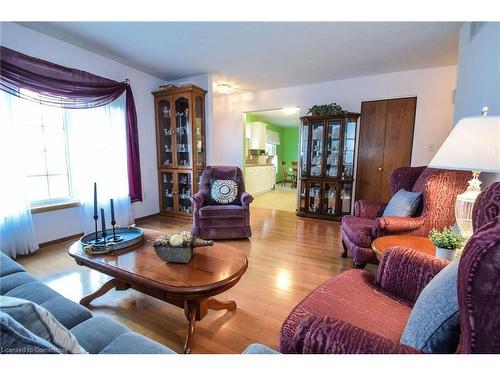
(278, 117)
(265, 55)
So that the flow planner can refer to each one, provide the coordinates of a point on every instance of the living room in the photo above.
(130, 221)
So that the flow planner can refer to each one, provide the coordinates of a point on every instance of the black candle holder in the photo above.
(97, 240)
(114, 237)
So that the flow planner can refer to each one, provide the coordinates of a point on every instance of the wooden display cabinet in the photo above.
(326, 167)
(180, 143)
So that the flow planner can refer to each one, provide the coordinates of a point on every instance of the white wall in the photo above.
(57, 224)
(478, 78)
(434, 116)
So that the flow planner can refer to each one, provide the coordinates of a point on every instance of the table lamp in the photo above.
(473, 145)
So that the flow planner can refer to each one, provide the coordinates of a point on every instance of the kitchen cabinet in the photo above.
(260, 179)
(257, 136)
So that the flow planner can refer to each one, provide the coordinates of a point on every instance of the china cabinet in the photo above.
(180, 142)
(326, 166)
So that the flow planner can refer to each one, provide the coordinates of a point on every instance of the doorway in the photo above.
(271, 148)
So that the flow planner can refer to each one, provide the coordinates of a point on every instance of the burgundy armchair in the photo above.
(357, 312)
(439, 189)
(212, 222)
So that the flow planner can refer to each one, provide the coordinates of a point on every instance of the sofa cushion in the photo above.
(16, 339)
(34, 291)
(8, 266)
(40, 322)
(404, 203)
(353, 298)
(222, 211)
(433, 325)
(66, 311)
(133, 343)
(358, 229)
(96, 333)
(13, 280)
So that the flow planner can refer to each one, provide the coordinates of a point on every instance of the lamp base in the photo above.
(465, 204)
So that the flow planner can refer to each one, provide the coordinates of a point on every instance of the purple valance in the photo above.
(64, 87)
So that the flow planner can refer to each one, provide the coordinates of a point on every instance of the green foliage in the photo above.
(446, 239)
(332, 109)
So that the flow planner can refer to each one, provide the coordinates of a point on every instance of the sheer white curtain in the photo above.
(17, 234)
(98, 153)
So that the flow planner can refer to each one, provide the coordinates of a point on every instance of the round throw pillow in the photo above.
(224, 191)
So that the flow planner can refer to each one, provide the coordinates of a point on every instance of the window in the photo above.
(43, 131)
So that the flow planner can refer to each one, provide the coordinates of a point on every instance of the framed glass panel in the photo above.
(345, 198)
(333, 148)
(183, 132)
(302, 197)
(316, 148)
(184, 185)
(349, 148)
(168, 191)
(199, 111)
(304, 136)
(166, 133)
(313, 205)
(329, 198)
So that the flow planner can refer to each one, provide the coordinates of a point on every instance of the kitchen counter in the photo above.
(259, 178)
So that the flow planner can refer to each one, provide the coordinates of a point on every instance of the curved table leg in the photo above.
(190, 332)
(106, 287)
(215, 304)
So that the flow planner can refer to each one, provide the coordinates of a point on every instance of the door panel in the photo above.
(371, 146)
(398, 140)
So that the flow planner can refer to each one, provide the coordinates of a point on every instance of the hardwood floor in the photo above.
(288, 258)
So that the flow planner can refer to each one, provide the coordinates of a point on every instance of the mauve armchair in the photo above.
(439, 188)
(213, 222)
(359, 313)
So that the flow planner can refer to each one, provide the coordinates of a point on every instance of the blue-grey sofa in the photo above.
(96, 334)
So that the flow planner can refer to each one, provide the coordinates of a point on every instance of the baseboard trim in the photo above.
(59, 240)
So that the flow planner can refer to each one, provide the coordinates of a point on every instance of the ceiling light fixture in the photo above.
(224, 88)
(290, 110)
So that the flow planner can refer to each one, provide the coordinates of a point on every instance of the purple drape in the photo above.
(56, 85)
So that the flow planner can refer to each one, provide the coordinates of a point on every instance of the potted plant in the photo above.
(447, 242)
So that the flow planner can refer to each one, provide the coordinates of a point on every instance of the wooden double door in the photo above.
(385, 143)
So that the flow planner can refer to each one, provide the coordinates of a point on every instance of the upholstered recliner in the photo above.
(212, 222)
(439, 190)
(357, 312)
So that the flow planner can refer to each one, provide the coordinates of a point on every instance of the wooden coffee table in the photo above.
(211, 271)
(423, 244)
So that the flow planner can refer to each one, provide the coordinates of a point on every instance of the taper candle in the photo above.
(112, 211)
(95, 200)
(103, 221)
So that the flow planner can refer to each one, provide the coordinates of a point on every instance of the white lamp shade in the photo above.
(473, 145)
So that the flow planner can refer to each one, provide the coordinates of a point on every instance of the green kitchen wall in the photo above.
(289, 141)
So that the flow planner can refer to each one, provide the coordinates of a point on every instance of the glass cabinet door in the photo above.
(183, 132)
(302, 196)
(168, 191)
(316, 149)
(332, 148)
(184, 191)
(166, 133)
(304, 136)
(314, 197)
(345, 198)
(349, 148)
(199, 117)
(330, 198)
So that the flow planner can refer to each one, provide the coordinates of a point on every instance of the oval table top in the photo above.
(212, 269)
(423, 244)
